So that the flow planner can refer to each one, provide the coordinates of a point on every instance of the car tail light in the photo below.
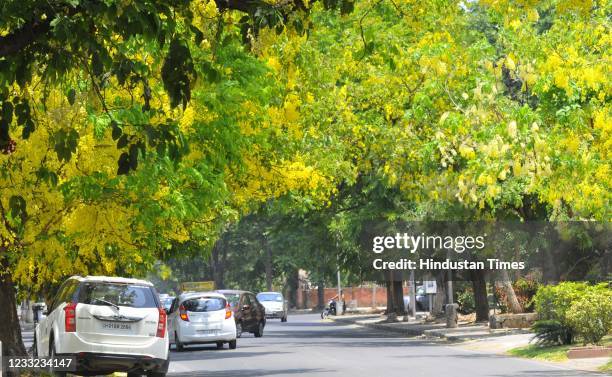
(183, 313)
(161, 324)
(228, 311)
(70, 317)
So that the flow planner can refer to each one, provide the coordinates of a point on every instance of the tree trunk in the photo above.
(514, 306)
(479, 285)
(320, 295)
(293, 283)
(10, 330)
(218, 266)
(395, 297)
(268, 252)
(440, 297)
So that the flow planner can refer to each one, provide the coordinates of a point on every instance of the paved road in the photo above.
(307, 346)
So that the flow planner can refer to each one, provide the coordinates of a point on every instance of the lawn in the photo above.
(606, 367)
(554, 353)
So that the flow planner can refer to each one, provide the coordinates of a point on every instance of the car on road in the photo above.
(166, 301)
(275, 305)
(108, 324)
(200, 318)
(249, 313)
(421, 300)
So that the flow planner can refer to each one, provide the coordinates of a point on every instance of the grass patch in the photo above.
(555, 353)
(532, 351)
(607, 367)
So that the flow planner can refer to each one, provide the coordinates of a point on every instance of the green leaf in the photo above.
(65, 144)
(71, 95)
(117, 131)
(123, 141)
(17, 209)
(177, 73)
(124, 164)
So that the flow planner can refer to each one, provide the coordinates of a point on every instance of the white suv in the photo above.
(108, 324)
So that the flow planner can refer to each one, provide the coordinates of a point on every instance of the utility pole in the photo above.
(413, 302)
(339, 306)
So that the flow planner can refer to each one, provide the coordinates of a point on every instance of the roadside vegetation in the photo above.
(261, 138)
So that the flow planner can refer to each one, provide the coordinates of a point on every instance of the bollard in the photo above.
(451, 315)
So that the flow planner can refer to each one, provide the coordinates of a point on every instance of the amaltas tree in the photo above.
(129, 127)
(481, 110)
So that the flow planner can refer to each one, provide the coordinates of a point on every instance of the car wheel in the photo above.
(238, 329)
(52, 355)
(260, 329)
(219, 345)
(232, 344)
(177, 343)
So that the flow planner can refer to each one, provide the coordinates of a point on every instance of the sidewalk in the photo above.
(468, 336)
(418, 327)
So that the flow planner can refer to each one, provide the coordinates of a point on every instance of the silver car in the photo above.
(199, 318)
(275, 304)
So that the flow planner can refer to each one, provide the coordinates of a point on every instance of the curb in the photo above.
(435, 333)
(382, 327)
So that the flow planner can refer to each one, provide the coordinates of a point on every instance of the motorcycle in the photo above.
(329, 309)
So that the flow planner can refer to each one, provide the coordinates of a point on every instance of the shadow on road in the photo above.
(217, 355)
(253, 372)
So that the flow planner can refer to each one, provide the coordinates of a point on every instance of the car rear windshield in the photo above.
(270, 297)
(232, 298)
(100, 293)
(204, 304)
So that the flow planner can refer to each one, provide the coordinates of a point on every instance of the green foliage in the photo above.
(552, 332)
(466, 301)
(525, 289)
(534, 351)
(570, 308)
(552, 302)
(591, 315)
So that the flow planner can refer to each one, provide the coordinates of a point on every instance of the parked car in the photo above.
(275, 305)
(200, 318)
(421, 300)
(109, 324)
(249, 313)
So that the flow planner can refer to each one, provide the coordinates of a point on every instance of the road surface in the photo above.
(307, 346)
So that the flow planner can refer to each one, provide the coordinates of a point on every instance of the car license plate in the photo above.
(116, 326)
(208, 332)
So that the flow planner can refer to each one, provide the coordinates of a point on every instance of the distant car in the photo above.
(109, 324)
(275, 304)
(249, 313)
(166, 302)
(200, 318)
(421, 299)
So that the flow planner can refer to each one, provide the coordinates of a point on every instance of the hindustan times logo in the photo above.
(412, 243)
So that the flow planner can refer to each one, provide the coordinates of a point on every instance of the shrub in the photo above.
(570, 309)
(553, 301)
(466, 301)
(524, 288)
(551, 332)
(591, 316)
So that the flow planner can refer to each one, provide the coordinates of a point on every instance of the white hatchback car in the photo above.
(275, 304)
(199, 318)
(108, 324)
